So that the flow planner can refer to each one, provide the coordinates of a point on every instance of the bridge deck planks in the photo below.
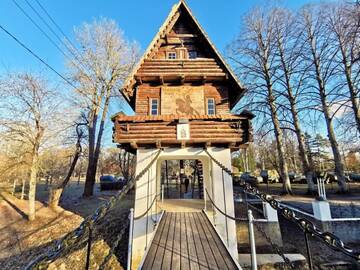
(187, 241)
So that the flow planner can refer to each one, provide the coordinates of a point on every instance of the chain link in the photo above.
(275, 247)
(74, 237)
(114, 246)
(306, 225)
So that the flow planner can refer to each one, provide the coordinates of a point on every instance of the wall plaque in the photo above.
(183, 100)
(183, 131)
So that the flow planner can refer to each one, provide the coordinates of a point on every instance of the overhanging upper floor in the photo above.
(233, 131)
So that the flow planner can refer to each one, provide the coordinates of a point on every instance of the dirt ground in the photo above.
(21, 240)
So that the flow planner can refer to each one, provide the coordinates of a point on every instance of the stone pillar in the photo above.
(321, 210)
(270, 213)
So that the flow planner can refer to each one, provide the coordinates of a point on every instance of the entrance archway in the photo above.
(182, 179)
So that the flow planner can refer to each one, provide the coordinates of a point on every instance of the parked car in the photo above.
(268, 176)
(108, 182)
(251, 179)
(297, 178)
(354, 177)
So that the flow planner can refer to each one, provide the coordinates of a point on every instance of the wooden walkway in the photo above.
(187, 241)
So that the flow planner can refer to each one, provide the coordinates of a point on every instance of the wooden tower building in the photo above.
(182, 92)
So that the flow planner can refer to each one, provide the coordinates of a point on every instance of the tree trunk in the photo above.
(32, 182)
(281, 153)
(339, 167)
(299, 136)
(94, 158)
(278, 134)
(353, 96)
(90, 174)
(56, 192)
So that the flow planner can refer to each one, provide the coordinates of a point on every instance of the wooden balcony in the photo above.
(232, 131)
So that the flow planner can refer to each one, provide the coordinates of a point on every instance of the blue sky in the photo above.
(139, 19)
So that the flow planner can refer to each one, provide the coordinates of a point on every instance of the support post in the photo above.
(131, 217)
(308, 251)
(23, 189)
(162, 193)
(87, 266)
(252, 241)
(14, 187)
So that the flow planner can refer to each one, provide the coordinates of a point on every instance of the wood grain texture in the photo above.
(187, 241)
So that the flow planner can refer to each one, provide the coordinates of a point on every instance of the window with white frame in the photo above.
(210, 106)
(154, 106)
(171, 55)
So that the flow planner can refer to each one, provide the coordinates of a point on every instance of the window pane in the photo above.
(171, 55)
(211, 106)
(154, 107)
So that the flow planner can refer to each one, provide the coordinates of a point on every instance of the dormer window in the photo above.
(154, 106)
(192, 54)
(171, 55)
(210, 106)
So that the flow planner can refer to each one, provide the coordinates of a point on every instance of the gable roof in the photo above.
(127, 89)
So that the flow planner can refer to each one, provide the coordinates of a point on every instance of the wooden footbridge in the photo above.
(187, 241)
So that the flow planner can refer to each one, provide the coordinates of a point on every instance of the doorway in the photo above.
(182, 179)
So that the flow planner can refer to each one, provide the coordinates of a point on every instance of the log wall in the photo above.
(145, 92)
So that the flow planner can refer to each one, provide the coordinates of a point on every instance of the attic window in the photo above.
(171, 55)
(210, 106)
(192, 54)
(154, 106)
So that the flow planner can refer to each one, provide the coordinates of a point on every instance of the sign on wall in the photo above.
(183, 131)
(183, 100)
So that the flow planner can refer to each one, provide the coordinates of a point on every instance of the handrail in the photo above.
(221, 211)
(306, 225)
(75, 236)
(149, 208)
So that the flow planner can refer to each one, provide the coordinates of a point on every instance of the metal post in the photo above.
(23, 189)
(87, 266)
(14, 187)
(131, 217)
(308, 251)
(324, 190)
(204, 200)
(162, 193)
(252, 241)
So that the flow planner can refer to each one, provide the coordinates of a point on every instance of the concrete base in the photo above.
(270, 213)
(272, 261)
(272, 230)
(348, 231)
(321, 210)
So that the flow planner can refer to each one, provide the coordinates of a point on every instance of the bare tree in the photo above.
(127, 162)
(254, 55)
(344, 25)
(320, 54)
(29, 110)
(292, 78)
(106, 59)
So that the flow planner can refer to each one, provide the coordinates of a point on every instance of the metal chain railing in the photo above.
(75, 237)
(114, 245)
(306, 225)
(275, 247)
(148, 209)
